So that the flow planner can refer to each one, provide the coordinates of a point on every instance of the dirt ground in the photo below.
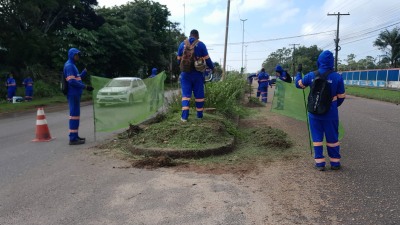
(284, 191)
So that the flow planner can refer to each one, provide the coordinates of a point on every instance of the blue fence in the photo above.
(389, 78)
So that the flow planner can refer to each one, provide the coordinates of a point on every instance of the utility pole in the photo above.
(337, 35)
(293, 60)
(184, 18)
(245, 57)
(226, 39)
(244, 20)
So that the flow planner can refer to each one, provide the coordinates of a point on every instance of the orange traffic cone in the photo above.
(42, 130)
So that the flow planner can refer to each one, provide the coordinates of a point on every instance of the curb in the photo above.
(187, 153)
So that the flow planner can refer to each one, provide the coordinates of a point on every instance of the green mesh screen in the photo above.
(290, 101)
(119, 102)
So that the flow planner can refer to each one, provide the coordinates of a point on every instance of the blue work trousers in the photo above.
(74, 102)
(330, 130)
(192, 82)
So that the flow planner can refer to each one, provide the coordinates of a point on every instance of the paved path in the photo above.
(367, 190)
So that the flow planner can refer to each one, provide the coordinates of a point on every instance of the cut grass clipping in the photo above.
(210, 132)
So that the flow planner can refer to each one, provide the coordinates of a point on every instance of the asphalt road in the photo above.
(54, 183)
(367, 190)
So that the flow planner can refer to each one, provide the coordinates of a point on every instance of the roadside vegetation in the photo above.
(218, 127)
(387, 95)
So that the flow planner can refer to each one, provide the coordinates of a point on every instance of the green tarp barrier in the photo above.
(119, 102)
(289, 101)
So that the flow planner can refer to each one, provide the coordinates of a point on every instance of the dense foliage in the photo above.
(126, 40)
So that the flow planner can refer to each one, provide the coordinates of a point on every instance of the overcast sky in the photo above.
(278, 19)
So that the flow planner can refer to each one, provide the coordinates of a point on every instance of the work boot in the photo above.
(77, 142)
(320, 168)
(81, 138)
(335, 167)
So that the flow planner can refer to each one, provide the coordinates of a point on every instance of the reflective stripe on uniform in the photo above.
(334, 99)
(334, 159)
(333, 144)
(341, 95)
(199, 109)
(320, 160)
(206, 57)
(73, 131)
(70, 77)
(185, 99)
(185, 108)
(317, 144)
(199, 99)
(74, 117)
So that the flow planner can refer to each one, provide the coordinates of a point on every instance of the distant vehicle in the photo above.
(122, 90)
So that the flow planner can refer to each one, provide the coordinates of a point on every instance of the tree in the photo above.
(307, 56)
(389, 43)
(28, 27)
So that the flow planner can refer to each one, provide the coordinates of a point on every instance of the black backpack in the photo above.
(288, 78)
(320, 99)
(64, 85)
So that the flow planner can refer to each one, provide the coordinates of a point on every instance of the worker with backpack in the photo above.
(193, 58)
(327, 93)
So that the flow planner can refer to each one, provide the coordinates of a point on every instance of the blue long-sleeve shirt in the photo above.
(200, 51)
(263, 79)
(72, 75)
(28, 83)
(335, 82)
(11, 85)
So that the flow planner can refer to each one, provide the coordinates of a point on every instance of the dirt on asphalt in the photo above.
(281, 191)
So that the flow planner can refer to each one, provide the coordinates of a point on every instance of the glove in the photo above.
(89, 88)
(300, 67)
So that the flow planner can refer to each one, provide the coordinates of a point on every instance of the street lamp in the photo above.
(243, 20)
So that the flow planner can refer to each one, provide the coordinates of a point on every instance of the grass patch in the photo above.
(386, 95)
(6, 107)
(170, 133)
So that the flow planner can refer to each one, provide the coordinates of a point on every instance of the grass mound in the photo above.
(210, 132)
(268, 137)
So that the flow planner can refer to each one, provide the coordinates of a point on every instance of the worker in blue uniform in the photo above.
(75, 88)
(153, 72)
(263, 82)
(28, 83)
(193, 81)
(326, 124)
(153, 90)
(285, 77)
(11, 87)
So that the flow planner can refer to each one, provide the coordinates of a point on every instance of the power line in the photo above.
(274, 39)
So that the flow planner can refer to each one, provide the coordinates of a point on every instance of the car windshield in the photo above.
(119, 83)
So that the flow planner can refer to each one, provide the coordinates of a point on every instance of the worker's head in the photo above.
(74, 54)
(194, 34)
(154, 71)
(325, 60)
(278, 70)
(263, 70)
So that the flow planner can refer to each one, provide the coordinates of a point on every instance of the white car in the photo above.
(122, 90)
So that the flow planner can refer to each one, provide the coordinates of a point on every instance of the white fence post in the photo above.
(387, 74)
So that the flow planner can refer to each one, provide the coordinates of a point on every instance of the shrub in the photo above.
(225, 96)
(42, 89)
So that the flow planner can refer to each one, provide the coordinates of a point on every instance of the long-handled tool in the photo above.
(299, 69)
